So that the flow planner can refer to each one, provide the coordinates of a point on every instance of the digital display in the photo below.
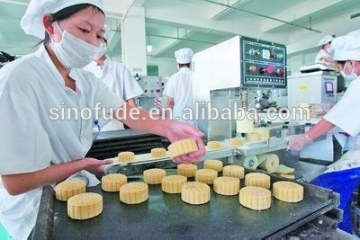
(329, 87)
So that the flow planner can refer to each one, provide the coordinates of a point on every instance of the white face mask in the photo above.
(73, 52)
(330, 50)
(352, 76)
(101, 52)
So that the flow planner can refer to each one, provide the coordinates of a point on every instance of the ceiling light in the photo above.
(149, 48)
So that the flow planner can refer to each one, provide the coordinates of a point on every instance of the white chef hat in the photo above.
(184, 55)
(32, 23)
(325, 40)
(346, 48)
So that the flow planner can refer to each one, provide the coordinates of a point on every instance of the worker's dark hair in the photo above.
(67, 12)
(2, 58)
(7, 56)
(184, 64)
(342, 63)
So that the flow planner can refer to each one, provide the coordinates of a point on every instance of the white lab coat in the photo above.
(322, 53)
(345, 115)
(119, 79)
(31, 92)
(180, 88)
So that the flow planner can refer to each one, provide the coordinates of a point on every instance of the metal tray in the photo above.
(166, 216)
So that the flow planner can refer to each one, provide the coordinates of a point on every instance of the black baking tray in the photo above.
(166, 216)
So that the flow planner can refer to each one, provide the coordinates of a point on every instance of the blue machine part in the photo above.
(345, 183)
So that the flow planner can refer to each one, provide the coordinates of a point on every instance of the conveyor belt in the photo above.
(109, 144)
(166, 216)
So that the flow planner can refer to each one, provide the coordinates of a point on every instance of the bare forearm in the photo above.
(131, 102)
(170, 103)
(320, 129)
(20, 183)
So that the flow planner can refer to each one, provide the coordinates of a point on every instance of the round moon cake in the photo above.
(69, 188)
(195, 193)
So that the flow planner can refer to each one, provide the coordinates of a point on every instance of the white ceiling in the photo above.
(199, 24)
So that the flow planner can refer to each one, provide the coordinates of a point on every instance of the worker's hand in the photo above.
(178, 131)
(298, 142)
(96, 166)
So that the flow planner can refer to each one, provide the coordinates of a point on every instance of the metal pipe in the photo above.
(183, 39)
(264, 16)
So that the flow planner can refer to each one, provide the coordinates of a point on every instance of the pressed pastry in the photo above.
(288, 191)
(182, 147)
(253, 137)
(256, 198)
(69, 188)
(113, 182)
(217, 165)
(268, 162)
(126, 156)
(195, 193)
(173, 183)
(258, 180)
(158, 152)
(264, 132)
(282, 169)
(289, 176)
(84, 206)
(244, 123)
(234, 171)
(213, 145)
(206, 175)
(235, 142)
(186, 169)
(134, 192)
(154, 175)
(227, 185)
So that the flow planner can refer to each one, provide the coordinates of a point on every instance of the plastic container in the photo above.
(344, 182)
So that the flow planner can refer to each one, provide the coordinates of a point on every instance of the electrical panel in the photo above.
(152, 86)
(263, 64)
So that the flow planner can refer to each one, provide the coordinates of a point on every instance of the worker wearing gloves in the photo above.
(342, 176)
(179, 88)
(324, 55)
(42, 143)
(342, 115)
(118, 78)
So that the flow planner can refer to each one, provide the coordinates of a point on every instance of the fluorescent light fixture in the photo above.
(149, 48)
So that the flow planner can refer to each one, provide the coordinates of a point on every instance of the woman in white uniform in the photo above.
(324, 55)
(345, 113)
(343, 176)
(179, 88)
(42, 141)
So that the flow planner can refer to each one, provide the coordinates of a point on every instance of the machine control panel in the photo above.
(329, 89)
(312, 88)
(263, 63)
(152, 86)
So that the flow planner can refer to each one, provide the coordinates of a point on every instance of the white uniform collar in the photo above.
(43, 54)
